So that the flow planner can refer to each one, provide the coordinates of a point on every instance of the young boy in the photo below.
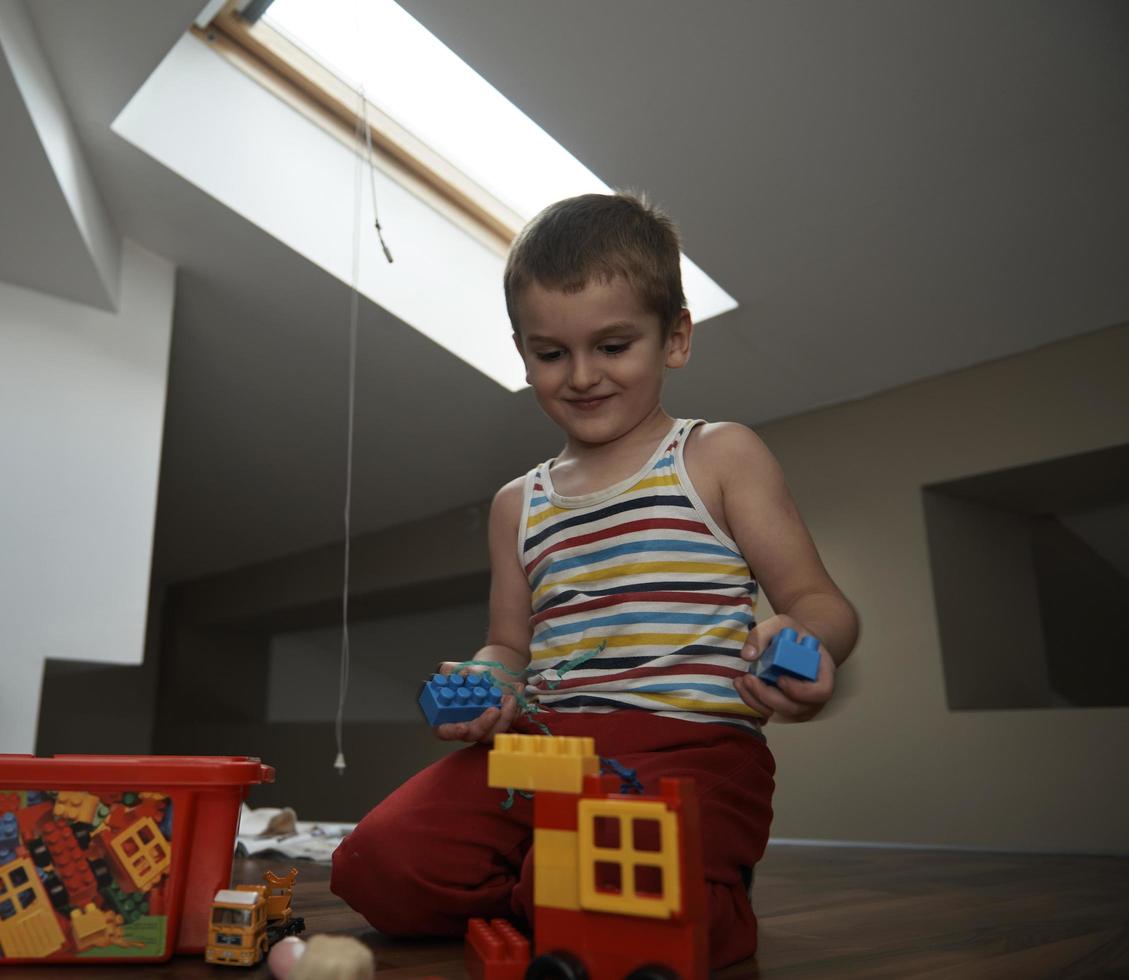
(625, 572)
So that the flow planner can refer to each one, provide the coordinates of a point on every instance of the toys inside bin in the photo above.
(81, 872)
(114, 858)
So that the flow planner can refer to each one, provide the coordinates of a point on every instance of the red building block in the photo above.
(495, 950)
(69, 862)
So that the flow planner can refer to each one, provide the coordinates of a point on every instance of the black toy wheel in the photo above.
(653, 971)
(558, 965)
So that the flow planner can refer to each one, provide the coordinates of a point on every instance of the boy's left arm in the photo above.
(765, 523)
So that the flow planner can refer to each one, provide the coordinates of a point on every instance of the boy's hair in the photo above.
(599, 236)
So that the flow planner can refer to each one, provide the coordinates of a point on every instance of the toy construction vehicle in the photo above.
(248, 920)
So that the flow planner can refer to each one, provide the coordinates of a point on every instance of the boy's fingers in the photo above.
(483, 725)
(450, 732)
(771, 695)
(804, 692)
(748, 695)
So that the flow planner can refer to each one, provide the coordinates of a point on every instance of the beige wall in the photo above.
(888, 761)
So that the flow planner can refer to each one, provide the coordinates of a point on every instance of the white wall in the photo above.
(889, 760)
(82, 400)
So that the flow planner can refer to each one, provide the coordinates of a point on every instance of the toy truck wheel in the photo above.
(558, 965)
(653, 971)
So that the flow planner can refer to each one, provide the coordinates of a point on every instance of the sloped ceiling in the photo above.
(890, 190)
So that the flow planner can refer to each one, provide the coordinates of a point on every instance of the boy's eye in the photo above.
(614, 348)
(548, 355)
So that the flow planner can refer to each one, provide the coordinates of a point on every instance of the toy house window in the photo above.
(633, 868)
(1030, 573)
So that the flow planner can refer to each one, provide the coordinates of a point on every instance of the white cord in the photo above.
(354, 312)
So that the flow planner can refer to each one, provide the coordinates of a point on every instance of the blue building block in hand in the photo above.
(785, 657)
(455, 697)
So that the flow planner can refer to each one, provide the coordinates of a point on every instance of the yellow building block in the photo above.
(89, 927)
(554, 763)
(626, 857)
(555, 884)
(76, 806)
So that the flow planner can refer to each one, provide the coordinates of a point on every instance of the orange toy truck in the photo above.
(248, 919)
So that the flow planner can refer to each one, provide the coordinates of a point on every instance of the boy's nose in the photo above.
(584, 374)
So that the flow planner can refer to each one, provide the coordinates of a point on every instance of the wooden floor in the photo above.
(827, 912)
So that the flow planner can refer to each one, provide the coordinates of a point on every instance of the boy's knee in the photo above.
(733, 926)
(375, 879)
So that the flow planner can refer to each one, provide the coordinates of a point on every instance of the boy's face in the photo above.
(596, 358)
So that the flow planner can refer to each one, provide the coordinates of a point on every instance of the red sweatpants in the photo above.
(440, 849)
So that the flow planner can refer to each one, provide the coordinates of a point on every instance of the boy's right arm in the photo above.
(507, 641)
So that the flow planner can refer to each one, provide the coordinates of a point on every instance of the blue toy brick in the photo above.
(786, 657)
(9, 832)
(165, 825)
(458, 698)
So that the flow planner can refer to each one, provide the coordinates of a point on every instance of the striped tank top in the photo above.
(639, 599)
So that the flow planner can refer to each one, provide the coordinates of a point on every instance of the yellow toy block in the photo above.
(89, 927)
(626, 857)
(75, 806)
(97, 927)
(554, 869)
(554, 763)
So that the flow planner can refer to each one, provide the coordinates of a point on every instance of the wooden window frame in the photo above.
(290, 73)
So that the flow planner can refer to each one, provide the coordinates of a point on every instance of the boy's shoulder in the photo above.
(510, 496)
(726, 446)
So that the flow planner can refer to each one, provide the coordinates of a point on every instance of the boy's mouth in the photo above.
(588, 404)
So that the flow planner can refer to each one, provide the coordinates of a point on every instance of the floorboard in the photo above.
(826, 912)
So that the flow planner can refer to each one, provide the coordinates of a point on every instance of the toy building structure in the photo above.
(619, 889)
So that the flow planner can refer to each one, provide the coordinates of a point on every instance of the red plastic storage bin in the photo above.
(115, 858)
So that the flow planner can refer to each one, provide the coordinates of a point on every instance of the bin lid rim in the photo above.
(134, 770)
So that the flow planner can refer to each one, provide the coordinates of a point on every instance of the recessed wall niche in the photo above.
(1031, 580)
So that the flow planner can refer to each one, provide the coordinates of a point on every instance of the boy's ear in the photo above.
(678, 343)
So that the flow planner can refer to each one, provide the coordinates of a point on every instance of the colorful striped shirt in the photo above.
(640, 600)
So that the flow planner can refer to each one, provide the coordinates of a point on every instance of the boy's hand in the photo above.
(792, 699)
(491, 722)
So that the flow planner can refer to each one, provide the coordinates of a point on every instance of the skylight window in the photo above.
(440, 132)
(408, 73)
